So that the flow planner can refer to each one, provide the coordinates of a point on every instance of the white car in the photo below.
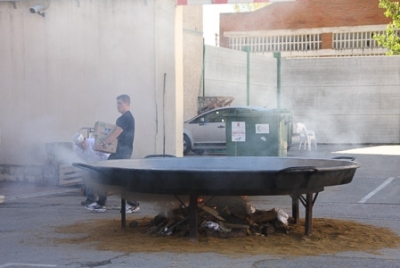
(207, 130)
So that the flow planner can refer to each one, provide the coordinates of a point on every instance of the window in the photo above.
(355, 40)
(277, 43)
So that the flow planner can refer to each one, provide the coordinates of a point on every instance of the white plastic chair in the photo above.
(302, 132)
(307, 137)
(312, 139)
(304, 141)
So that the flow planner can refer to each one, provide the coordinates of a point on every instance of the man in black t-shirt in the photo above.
(125, 130)
(125, 134)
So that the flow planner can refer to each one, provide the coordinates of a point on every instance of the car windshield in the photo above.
(218, 115)
(214, 116)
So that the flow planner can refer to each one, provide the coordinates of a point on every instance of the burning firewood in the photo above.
(224, 217)
(211, 211)
(236, 226)
(267, 229)
(260, 216)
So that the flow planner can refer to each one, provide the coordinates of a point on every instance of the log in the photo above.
(212, 212)
(236, 226)
(260, 216)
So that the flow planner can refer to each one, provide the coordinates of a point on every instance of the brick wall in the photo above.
(304, 15)
(326, 41)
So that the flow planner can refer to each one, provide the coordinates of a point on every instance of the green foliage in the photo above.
(249, 7)
(391, 38)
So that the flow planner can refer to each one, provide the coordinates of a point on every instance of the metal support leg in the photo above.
(309, 207)
(193, 218)
(308, 203)
(123, 213)
(295, 208)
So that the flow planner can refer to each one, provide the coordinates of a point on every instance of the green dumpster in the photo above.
(260, 133)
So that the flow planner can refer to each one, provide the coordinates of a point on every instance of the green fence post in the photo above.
(277, 55)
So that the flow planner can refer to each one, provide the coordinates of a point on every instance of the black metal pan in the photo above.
(242, 175)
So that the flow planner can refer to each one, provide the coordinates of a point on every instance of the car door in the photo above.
(210, 129)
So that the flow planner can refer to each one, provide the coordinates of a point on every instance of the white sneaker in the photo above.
(96, 207)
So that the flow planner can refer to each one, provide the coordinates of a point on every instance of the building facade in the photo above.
(310, 28)
(64, 70)
(192, 58)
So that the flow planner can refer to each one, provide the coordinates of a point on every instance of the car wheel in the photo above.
(186, 145)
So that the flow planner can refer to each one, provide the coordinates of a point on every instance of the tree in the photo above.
(391, 38)
(249, 7)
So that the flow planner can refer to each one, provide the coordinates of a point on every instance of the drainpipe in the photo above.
(277, 55)
(204, 55)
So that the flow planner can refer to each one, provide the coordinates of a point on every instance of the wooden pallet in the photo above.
(70, 175)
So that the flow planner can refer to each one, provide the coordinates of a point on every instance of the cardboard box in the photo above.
(100, 133)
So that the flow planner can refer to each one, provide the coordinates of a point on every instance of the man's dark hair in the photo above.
(125, 98)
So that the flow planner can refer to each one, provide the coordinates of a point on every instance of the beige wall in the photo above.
(193, 58)
(344, 100)
(226, 75)
(63, 72)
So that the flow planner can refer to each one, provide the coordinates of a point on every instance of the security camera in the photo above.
(37, 8)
